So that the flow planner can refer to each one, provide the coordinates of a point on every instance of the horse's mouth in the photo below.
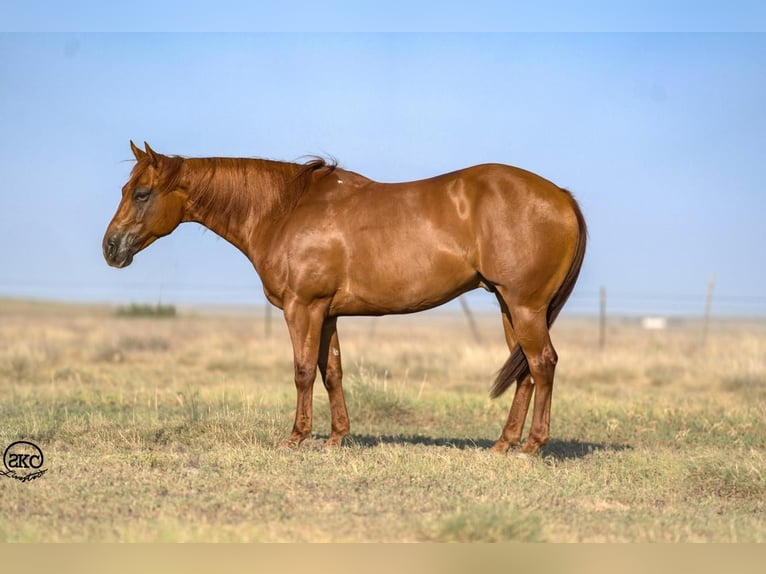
(121, 261)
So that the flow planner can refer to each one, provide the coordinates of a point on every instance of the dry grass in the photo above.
(166, 430)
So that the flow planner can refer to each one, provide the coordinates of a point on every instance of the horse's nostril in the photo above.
(111, 246)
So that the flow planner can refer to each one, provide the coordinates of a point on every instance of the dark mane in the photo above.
(316, 163)
(237, 188)
(232, 186)
(170, 171)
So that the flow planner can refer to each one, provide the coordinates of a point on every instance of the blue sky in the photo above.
(660, 137)
(391, 15)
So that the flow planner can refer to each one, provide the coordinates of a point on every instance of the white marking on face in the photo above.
(335, 351)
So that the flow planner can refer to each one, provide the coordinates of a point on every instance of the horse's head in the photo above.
(152, 205)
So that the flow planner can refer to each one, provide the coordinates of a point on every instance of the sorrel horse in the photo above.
(328, 242)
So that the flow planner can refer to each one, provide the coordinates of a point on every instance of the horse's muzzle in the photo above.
(118, 249)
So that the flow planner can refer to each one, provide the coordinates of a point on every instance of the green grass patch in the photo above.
(178, 438)
(144, 310)
(485, 523)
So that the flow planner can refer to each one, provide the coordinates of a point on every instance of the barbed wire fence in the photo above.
(602, 303)
(581, 302)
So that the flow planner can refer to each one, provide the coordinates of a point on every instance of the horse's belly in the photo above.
(405, 283)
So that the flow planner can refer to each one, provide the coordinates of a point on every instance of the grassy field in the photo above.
(166, 429)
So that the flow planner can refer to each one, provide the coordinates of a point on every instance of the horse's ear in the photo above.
(152, 155)
(137, 152)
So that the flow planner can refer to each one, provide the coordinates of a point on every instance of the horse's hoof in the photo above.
(333, 443)
(524, 456)
(498, 450)
(288, 445)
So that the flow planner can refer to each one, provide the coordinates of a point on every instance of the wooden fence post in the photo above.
(471, 320)
(602, 319)
(708, 306)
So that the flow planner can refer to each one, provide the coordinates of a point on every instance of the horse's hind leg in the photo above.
(514, 426)
(531, 329)
(332, 376)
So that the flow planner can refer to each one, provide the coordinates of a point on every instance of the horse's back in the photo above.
(402, 247)
(512, 226)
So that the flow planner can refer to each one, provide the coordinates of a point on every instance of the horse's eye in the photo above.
(142, 194)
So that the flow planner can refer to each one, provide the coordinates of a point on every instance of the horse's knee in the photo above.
(304, 375)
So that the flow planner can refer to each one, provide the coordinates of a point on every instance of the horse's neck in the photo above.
(238, 198)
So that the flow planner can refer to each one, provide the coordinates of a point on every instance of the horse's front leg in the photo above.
(304, 322)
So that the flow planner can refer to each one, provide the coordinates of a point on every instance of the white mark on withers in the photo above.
(335, 351)
(340, 181)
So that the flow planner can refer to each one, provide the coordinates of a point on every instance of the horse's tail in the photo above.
(516, 367)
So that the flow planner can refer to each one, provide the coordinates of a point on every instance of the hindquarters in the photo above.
(531, 256)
